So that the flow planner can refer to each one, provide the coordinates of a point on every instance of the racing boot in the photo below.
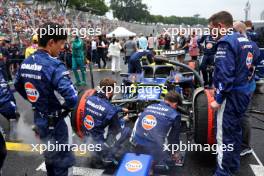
(77, 78)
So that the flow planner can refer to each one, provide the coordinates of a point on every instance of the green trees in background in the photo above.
(127, 10)
(136, 10)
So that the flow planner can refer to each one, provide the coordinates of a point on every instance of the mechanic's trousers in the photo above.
(134, 66)
(229, 132)
(58, 158)
(8, 110)
(208, 60)
(2, 150)
(246, 127)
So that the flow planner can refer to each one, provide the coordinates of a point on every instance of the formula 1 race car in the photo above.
(150, 87)
(165, 75)
(260, 73)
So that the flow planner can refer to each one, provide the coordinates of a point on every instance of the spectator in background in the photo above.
(143, 42)
(65, 56)
(94, 50)
(177, 39)
(129, 48)
(106, 42)
(34, 46)
(167, 42)
(151, 42)
(101, 52)
(88, 49)
(182, 45)
(193, 47)
(68, 55)
(114, 52)
(3, 58)
(14, 58)
(8, 60)
(78, 61)
(161, 42)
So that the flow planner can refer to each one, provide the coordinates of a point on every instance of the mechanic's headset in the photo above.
(196, 74)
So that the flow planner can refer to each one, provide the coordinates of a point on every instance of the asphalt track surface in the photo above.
(22, 161)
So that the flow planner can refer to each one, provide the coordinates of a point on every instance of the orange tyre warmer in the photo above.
(80, 111)
(210, 134)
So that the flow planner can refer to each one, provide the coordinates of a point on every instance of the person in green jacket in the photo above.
(78, 61)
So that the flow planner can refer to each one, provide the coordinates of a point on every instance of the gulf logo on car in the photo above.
(133, 166)
(89, 122)
(32, 92)
(149, 122)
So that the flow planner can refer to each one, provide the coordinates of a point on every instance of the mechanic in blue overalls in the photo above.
(251, 34)
(246, 125)
(134, 64)
(153, 125)
(209, 51)
(233, 70)
(99, 114)
(44, 81)
(8, 108)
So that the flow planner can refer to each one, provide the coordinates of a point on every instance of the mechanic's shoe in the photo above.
(246, 151)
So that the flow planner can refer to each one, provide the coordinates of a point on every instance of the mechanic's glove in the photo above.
(66, 108)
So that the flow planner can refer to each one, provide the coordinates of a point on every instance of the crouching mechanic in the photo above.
(134, 64)
(152, 128)
(234, 61)
(99, 114)
(8, 108)
(44, 81)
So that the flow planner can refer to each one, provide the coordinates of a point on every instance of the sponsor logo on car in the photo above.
(149, 122)
(133, 166)
(32, 92)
